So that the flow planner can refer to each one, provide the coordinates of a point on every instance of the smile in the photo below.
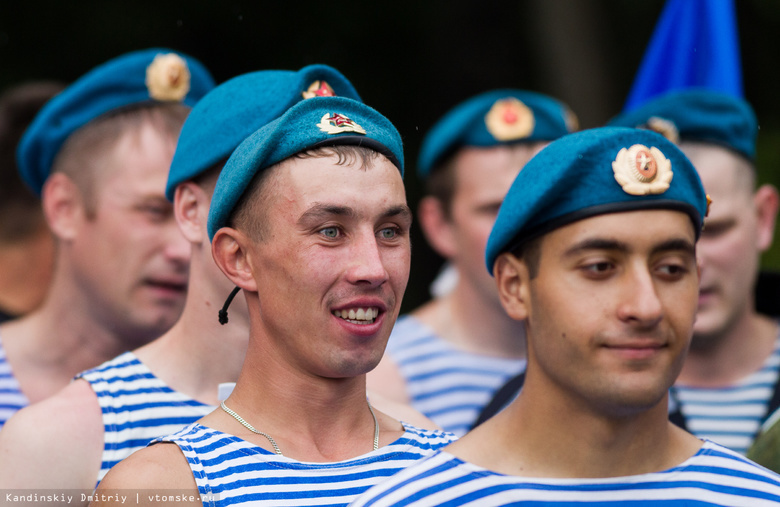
(358, 315)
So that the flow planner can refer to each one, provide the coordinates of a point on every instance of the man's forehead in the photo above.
(330, 173)
(646, 226)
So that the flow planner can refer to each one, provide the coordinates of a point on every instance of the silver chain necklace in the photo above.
(273, 442)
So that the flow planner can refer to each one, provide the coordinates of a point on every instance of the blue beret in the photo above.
(156, 74)
(324, 121)
(236, 108)
(594, 172)
(699, 115)
(494, 118)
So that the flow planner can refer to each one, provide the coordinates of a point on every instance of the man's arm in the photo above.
(54, 444)
(152, 476)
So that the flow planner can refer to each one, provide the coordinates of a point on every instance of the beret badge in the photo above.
(335, 123)
(665, 127)
(168, 78)
(509, 119)
(318, 89)
(641, 170)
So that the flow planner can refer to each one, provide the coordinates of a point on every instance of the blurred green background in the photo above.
(412, 60)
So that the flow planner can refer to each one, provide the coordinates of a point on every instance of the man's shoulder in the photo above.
(123, 365)
(75, 408)
(66, 428)
(160, 466)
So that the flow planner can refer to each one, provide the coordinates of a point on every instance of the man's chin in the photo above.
(705, 336)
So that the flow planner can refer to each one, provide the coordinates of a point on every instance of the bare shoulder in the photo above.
(67, 429)
(401, 411)
(160, 466)
(386, 380)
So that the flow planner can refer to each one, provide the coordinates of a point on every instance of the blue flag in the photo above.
(694, 44)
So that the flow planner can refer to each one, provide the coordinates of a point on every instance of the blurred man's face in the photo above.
(130, 257)
(482, 179)
(731, 243)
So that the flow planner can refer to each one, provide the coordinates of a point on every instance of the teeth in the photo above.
(358, 315)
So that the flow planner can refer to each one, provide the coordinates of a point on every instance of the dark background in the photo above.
(410, 60)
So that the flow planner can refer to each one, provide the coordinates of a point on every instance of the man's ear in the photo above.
(229, 249)
(513, 280)
(63, 206)
(766, 202)
(191, 208)
(436, 226)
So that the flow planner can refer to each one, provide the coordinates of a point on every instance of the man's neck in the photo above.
(25, 274)
(48, 347)
(732, 356)
(312, 419)
(468, 322)
(563, 442)
(198, 353)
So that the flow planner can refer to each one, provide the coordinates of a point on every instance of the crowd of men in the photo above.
(223, 266)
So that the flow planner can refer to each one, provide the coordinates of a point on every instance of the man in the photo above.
(450, 355)
(729, 384)
(594, 249)
(310, 219)
(26, 244)
(102, 418)
(98, 154)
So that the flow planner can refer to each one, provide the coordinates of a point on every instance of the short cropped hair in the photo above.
(249, 214)
(530, 252)
(20, 208)
(82, 156)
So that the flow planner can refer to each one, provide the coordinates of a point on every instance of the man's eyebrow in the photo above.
(402, 211)
(596, 244)
(321, 211)
(674, 244)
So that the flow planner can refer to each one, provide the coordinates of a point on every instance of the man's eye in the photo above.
(156, 212)
(330, 232)
(598, 267)
(674, 269)
(388, 233)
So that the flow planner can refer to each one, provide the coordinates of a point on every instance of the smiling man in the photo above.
(594, 249)
(98, 154)
(309, 218)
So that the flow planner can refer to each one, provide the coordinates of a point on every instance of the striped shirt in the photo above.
(730, 416)
(11, 398)
(713, 476)
(448, 385)
(137, 407)
(232, 471)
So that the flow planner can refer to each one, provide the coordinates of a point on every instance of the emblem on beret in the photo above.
(641, 170)
(509, 119)
(168, 78)
(665, 127)
(335, 123)
(318, 89)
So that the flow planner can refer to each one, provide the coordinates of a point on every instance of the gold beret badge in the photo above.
(641, 170)
(509, 119)
(168, 78)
